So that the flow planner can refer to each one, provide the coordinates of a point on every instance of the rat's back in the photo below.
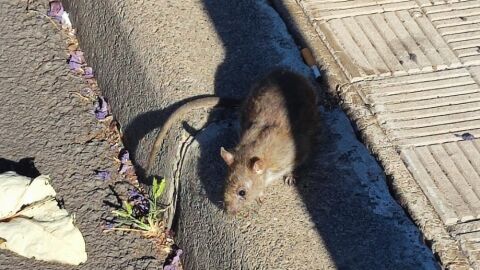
(284, 103)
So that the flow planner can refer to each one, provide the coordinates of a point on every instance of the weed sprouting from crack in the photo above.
(140, 213)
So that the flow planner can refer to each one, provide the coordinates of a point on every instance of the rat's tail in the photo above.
(199, 103)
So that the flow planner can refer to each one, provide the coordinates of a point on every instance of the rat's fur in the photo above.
(278, 127)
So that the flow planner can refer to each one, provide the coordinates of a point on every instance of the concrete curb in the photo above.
(126, 61)
(403, 186)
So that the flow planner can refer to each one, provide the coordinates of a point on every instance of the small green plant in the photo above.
(139, 213)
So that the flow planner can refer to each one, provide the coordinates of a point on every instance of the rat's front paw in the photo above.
(289, 179)
(260, 199)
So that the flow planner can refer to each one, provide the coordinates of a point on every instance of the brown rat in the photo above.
(279, 121)
(278, 124)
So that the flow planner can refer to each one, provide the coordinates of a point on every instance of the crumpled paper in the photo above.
(32, 224)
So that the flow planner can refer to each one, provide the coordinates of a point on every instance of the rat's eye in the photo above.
(242, 193)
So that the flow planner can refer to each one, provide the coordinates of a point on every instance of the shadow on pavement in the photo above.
(343, 187)
(25, 166)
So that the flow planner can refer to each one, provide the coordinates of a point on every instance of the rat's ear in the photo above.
(227, 156)
(257, 165)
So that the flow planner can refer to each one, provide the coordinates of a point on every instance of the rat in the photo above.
(278, 124)
(279, 121)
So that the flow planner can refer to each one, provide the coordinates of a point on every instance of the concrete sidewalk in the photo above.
(408, 74)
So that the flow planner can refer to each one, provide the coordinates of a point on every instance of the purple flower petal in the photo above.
(125, 161)
(124, 156)
(174, 264)
(88, 73)
(77, 56)
(140, 203)
(74, 65)
(133, 193)
(101, 115)
(124, 168)
(56, 10)
(101, 108)
(76, 60)
(466, 136)
(103, 175)
(109, 224)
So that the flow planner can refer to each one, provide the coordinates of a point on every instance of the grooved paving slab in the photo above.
(459, 25)
(427, 108)
(470, 241)
(448, 173)
(327, 9)
(381, 41)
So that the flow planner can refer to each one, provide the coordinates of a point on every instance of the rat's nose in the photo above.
(232, 211)
(230, 208)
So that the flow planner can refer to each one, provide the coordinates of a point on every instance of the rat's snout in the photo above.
(231, 211)
(231, 205)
